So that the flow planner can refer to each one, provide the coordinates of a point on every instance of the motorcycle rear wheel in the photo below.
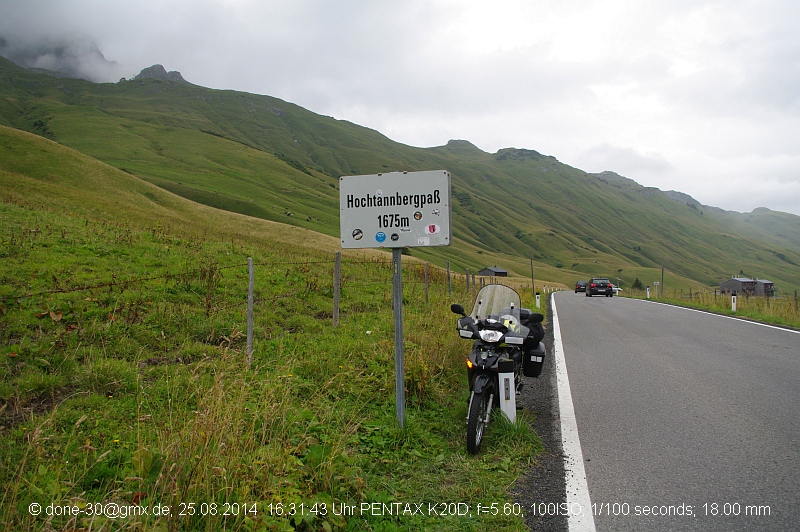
(476, 418)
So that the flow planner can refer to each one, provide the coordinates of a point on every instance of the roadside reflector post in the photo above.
(538, 299)
(508, 390)
(648, 292)
(733, 303)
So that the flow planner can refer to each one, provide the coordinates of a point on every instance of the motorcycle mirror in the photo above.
(455, 308)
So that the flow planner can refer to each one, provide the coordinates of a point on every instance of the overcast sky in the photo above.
(699, 96)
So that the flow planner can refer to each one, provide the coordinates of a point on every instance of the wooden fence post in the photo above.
(426, 281)
(337, 279)
(250, 285)
(449, 281)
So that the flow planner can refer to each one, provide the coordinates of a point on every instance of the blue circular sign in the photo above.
(380, 236)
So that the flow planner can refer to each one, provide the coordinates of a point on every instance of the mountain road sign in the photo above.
(395, 210)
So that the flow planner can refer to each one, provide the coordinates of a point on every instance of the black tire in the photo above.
(476, 418)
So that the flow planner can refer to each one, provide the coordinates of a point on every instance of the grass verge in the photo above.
(773, 310)
(124, 386)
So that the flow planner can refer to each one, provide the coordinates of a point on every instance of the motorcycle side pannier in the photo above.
(533, 360)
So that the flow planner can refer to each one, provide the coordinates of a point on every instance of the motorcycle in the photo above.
(508, 343)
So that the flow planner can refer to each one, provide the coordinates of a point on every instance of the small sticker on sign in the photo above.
(380, 237)
(432, 229)
(423, 241)
(357, 234)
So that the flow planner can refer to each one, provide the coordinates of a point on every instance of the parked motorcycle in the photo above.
(508, 342)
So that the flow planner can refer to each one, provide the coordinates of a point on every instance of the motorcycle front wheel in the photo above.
(479, 409)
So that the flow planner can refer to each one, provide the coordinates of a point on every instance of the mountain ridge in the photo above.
(157, 71)
(269, 158)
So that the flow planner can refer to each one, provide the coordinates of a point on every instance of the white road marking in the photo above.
(579, 504)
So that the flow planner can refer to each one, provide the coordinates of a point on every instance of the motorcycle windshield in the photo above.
(501, 303)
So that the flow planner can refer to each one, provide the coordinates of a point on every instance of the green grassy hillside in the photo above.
(123, 375)
(271, 159)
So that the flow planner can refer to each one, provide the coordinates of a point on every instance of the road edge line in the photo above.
(579, 504)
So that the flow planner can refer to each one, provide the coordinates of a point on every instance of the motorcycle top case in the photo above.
(533, 360)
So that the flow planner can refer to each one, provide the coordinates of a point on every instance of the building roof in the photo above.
(495, 269)
(748, 280)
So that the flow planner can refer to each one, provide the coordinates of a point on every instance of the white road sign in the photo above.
(395, 210)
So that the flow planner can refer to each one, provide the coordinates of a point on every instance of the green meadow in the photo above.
(125, 383)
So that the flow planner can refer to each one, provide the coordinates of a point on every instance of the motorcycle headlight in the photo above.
(491, 336)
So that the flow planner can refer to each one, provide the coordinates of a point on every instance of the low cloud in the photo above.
(77, 57)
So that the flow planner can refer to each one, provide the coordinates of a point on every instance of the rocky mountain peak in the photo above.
(160, 73)
(461, 144)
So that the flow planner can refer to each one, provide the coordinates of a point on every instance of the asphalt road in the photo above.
(687, 420)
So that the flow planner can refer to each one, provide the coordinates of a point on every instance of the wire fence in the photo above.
(416, 274)
(153, 316)
(87, 276)
(221, 288)
(215, 285)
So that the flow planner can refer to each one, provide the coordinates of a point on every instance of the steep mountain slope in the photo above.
(271, 159)
(40, 174)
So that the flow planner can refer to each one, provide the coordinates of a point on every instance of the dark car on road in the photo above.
(599, 286)
(580, 286)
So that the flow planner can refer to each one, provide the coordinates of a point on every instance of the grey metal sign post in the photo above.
(396, 210)
(399, 351)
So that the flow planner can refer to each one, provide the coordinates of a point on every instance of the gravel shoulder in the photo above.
(541, 490)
